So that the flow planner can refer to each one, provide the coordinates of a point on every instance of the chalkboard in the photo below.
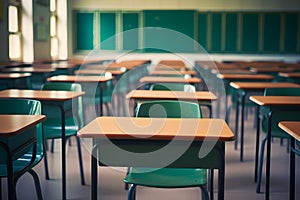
(179, 23)
(250, 28)
(202, 30)
(231, 30)
(216, 32)
(271, 32)
(84, 31)
(130, 31)
(107, 31)
(291, 25)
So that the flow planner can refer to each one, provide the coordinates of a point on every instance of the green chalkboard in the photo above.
(84, 31)
(231, 30)
(174, 30)
(202, 30)
(291, 36)
(216, 32)
(108, 31)
(130, 31)
(250, 32)
(271, 32)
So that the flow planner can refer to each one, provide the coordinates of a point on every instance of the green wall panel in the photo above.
(250, 28)
(271, 32)
(84, 31)
(202, 30)
(216, 32)
(231, 30)
(291, 32)
(179, 24)
(108, 31)
(131, 33)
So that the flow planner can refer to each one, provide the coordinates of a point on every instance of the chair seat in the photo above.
(166, 177)
(52, 128)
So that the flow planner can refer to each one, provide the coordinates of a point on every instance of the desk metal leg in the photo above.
(257, 144)
(236, 124)
(243, 94)
(94, 170)
(221, 175)
(292, 169)
(101, 99)
(63, 155)
(268, 163)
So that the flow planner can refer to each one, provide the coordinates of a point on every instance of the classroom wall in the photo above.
(204, 5)
(3, 31)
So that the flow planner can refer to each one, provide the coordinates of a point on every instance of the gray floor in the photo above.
(239, 176)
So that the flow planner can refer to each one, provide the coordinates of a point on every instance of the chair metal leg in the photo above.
(80, 161)
(46, 165)
(204, 192)
(260, 165)
(52, 146)
(0, 188)
(37, 184)
(211, 183)
(132, 192)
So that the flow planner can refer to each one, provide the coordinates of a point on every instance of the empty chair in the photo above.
(167, 177)
(27, 158)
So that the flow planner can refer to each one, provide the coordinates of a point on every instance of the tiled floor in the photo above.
(239, 177)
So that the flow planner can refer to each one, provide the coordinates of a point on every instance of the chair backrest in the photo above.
(173, 87)
(77, 106)
(288, 115)
(169, 109)
(23, 107)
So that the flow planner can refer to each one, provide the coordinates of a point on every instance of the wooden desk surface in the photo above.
(291, 127)
(231, 71)
(290, 75)
(100, 71)
(160, 79)
(276, 100)
(171, 72)
(40, 94)
(14, 75)
(157, 129)
(29, 70)
(245, 76)
(171, 95)
(263, 85)
(271, 69)
(82, 79)
(14, 124)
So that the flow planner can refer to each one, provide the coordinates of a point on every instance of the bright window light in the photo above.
(52, 26)
(52, 5)
(13, 19)
(54, 47)
(14, 46)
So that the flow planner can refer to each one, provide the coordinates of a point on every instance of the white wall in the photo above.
(214, 5)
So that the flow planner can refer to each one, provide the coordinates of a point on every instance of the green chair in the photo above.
(28, 158)
(276, 118)
(167, 177)
(73, 121)
(173, 87)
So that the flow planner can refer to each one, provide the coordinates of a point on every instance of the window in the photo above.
(14, 30)
(53, 29)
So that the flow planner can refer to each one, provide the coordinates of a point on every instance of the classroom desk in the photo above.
(290, 76)
(160, 79)
(63, 99)
(227, 78)
(243, 88)
(8, 77)
(85, 79)
(202, 97)
(171, 72)
(293, 129)
(13, 126)
(114, 72)
(268, 105)
(108, 133)
(270, 69)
